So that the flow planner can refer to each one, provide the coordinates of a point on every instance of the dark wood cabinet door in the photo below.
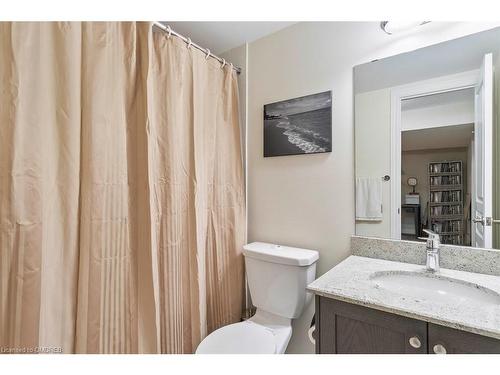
(348, 328)
(454, 341)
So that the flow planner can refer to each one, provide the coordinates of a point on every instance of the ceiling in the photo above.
(223, 36)
(437, 138)
(451, 97)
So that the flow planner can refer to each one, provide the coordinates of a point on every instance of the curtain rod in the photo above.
(168, 30)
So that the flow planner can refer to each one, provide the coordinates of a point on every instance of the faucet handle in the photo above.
(432, 235)
(433, 240)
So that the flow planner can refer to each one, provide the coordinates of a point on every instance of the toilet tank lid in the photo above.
(280, 254)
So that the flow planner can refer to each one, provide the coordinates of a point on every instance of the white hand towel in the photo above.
(368, 199)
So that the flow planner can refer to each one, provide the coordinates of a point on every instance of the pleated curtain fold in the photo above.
(122, 212)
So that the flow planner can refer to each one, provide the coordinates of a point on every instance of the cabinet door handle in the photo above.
(439, 349)
(415, 342)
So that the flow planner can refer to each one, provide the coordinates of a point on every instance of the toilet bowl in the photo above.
(261, 334)
(277, 279)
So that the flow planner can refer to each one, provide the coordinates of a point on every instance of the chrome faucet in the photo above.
(433, 244)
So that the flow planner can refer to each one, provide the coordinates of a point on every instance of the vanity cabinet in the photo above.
(460, 342)
(345, 328)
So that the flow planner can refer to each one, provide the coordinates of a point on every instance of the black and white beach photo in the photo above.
(298, 126)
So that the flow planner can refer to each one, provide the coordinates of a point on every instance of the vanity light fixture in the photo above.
(393, 27)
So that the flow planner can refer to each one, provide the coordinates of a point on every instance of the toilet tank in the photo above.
(278, 277)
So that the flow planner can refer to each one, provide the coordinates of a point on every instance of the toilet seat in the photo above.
(239, 338)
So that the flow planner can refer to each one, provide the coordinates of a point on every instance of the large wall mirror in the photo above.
(427, 148)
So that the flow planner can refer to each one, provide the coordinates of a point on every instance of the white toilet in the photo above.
(277, 278)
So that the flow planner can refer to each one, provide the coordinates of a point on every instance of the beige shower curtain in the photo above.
(121, 190)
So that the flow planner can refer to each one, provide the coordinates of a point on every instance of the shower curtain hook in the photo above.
(223, 63)
(231, 65)
(189, 43)
(208, 54)
(169, 31)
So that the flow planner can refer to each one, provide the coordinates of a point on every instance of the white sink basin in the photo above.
(434, 287)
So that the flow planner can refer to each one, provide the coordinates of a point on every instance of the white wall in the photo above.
(238, 57)
(435, 61)
(470, 175)
(438, 115)
(496, 153)
(308, 200)
(373, 152)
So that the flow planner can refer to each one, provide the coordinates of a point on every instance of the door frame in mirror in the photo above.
(432, 86)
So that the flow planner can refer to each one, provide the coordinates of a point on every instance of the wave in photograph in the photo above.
(305, 130)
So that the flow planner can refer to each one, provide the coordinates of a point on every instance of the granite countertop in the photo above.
(351, 281)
